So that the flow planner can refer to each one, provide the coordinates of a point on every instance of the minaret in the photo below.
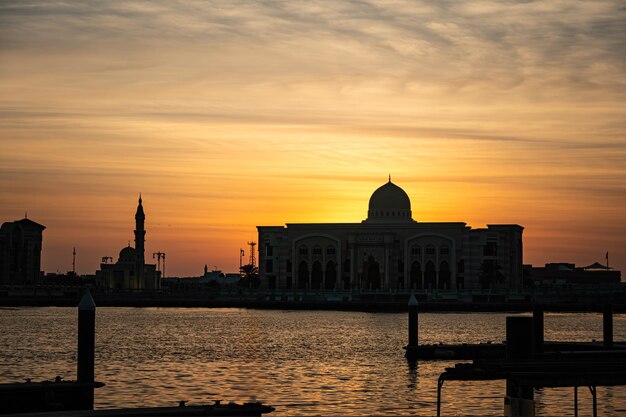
(140, 238)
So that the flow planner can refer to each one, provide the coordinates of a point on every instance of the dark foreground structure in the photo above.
(217, 409)
(61, 395)
(76, 398)
(573, 299)
(526, 361)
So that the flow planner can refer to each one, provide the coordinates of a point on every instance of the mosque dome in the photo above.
(128, 254)
(389, 203)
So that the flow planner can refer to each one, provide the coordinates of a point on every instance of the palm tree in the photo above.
(490, 274)
(250, 277)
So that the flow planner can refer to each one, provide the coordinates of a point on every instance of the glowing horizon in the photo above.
(228, 115)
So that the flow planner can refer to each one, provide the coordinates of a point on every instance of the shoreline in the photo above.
(550, 300)
(356, 306)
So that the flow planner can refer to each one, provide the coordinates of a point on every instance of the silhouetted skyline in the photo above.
(228, 116)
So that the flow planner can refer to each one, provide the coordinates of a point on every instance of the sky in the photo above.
(226, 115)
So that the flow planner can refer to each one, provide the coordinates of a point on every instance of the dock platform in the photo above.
(471, 351)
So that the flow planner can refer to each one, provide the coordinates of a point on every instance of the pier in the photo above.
(61, 395)
(472, 351)
(58, 398)
(527, 362)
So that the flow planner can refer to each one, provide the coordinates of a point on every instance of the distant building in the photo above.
(569, 275)
(388, 251)
(20, 252)
(224, 280)
(215, 278)
(131, 271)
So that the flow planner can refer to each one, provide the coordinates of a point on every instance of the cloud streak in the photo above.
(239, 111)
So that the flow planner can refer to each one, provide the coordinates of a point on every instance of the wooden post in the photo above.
(538, 328)
(607, 326)
(413, 322)
(86, 347)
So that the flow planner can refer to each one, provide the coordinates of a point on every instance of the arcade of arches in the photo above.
(387, 251)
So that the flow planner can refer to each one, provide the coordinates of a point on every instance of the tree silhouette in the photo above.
(250, 277)
(490, 274)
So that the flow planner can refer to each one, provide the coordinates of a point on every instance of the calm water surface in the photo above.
(301, 362)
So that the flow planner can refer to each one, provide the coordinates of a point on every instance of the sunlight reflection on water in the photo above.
(301, 362)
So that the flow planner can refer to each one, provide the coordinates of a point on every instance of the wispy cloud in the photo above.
(481, 106)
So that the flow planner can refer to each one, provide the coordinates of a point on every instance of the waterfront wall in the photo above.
(552, 299)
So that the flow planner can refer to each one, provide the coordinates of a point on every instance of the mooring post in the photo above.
(440, 382)
(538, 328)
(413, 322)
(86, 347)
(595, 400)
(607, 326)
(520, 346)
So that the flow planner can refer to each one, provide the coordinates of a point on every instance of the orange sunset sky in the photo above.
(226, 115)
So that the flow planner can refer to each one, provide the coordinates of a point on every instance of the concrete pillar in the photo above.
(86, 347)
(353, 282)
(385, 283)
(538, 328)
(413, 322)
(520, 345)
(519, 338)
(607, 326)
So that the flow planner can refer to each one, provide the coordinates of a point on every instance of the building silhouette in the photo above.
(131, 271)
(20, 252)
(563, 274)
(389, 250)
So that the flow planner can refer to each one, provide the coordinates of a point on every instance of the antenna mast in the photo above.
(252, 257)
(160, 255)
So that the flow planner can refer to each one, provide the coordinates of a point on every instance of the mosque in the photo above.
(390, 251)
(131, 271)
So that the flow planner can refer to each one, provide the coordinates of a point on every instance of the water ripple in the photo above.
(303, 363)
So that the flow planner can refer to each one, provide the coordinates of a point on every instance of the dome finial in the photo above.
(389, 177)
(139, 198)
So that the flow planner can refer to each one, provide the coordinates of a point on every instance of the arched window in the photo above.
(316, 276)
(330, 276)
(444, 250)
(415, 282)
(371, 274)
(444, 276)
(430, 276)
(303, 275)
(317, 250)
(303, 250)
